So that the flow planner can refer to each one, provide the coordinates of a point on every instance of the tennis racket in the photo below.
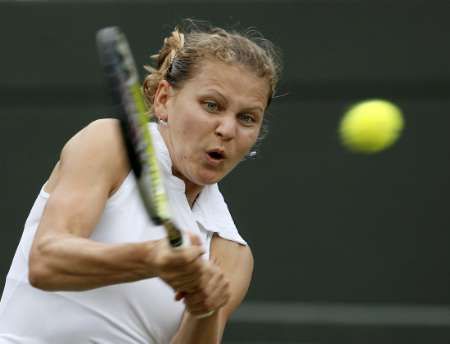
(121, 73)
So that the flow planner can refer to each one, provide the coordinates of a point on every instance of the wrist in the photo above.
(208, 317)
(147, 253)
(199, 331)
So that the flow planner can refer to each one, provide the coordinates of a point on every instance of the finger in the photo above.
(214, 296)
(219, 296)
(195, 299)
(183, 256)
(188, 284)
(199, 302)
(179, 295)
(200, 280)
(188, 289)
(198, 309)
(195, 239)
(200, 286)
(191, 273)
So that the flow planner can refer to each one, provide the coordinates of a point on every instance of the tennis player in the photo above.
(90, 267)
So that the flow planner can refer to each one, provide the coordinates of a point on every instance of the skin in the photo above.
(220, 108)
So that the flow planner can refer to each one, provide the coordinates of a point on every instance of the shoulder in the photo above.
(99, 134)
(213, 213)
(98, 147)
(232, 252)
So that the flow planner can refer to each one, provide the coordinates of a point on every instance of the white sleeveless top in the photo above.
(136, 312)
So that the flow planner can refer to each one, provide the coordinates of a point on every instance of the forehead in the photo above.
(233, 80)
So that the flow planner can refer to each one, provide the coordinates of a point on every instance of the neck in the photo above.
(192, 192)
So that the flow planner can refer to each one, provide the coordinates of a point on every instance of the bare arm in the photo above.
(93, 165)
(236, 262)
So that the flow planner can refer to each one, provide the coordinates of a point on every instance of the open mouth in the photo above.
(216, 155)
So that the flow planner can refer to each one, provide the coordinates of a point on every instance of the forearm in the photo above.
(74, 263)
(193, 330)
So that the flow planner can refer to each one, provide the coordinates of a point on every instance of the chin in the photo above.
(209, 178)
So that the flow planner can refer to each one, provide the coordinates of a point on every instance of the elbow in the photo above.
(38, 275)
(35, 278)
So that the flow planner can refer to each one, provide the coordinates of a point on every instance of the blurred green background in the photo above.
(348, 248)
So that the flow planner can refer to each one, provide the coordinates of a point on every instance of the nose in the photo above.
(226, 128)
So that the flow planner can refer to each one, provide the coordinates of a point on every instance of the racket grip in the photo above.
(175, 236)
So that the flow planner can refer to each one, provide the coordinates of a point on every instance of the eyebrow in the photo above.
(224, 98)
(217, 93)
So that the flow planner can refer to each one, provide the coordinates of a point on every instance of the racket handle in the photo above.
(174, 235)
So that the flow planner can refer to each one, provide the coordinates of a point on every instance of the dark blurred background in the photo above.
(348, 248)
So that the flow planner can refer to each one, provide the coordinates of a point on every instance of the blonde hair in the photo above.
(186, 48)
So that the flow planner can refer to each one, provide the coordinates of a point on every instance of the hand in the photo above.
(180, 268)
(208, 290)
(199, 282)
(212, 293)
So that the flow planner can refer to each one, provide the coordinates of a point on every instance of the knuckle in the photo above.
(188, 302)
(195, 311)
(185, 257)
(190, 289)
(207, 304)
(162, 261)
(201, 265)
(166, 277)
(202, 294)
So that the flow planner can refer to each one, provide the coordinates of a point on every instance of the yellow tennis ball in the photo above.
(371, 126)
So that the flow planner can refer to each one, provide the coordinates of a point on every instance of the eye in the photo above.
(211, 106)
(247, 119)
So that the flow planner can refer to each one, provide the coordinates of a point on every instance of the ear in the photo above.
(160, 101)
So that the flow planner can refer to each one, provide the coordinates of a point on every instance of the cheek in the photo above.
(249, 140)
(245, 145)
(189, 121)
(186, 140)
(181, 127)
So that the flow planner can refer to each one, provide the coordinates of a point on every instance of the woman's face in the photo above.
(213, 120)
